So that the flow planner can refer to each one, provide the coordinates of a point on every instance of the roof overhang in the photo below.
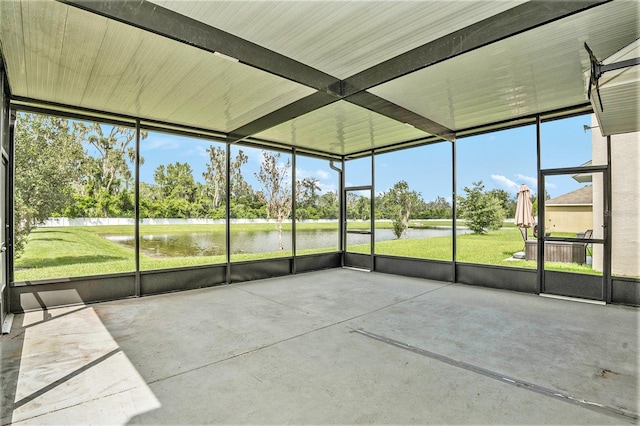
(616, 97)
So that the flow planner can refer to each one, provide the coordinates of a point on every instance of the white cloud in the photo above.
(322, 174)
(160, 142)
(301, 173)
(531, 181)
(506, 183)
(331, 187)
(202, 151)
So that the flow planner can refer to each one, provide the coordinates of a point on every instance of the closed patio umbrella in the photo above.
(524, 216)
(524, 208)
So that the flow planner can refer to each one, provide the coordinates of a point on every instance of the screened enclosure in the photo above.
(159, 146)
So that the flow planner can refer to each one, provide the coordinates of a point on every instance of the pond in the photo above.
(213, 244)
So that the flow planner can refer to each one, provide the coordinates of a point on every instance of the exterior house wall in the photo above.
(625, 203)
(561, 218)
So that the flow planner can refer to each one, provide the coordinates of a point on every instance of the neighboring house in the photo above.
(570, 212)
(625, 201)
(584, 208)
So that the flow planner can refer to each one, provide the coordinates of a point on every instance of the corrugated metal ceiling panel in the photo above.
(532, 72)
(12, 43)
(81, 47)
(338, 37)
(342, 128)
(58, 53)
(77, 58)
(121, 45)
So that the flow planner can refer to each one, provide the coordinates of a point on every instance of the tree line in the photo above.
(482, 210)
(73, 169)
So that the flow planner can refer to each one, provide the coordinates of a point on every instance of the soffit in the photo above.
(617, 102)
(65, 55)
(528, 73)
(340, 38)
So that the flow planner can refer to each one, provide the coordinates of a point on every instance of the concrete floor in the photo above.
(337, 346)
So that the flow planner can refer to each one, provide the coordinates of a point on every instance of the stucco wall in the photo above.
(625, 194)
(568, 218)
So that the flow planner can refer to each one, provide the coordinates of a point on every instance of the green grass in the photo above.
(81, 251)
(493, 248)
(438, 248)
(430, 223)
(70, 251)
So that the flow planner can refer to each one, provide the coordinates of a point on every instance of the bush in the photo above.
(482, 211)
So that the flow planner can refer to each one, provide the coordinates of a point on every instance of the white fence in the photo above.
(123, 221)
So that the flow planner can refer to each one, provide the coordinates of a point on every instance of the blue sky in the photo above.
(502, 160)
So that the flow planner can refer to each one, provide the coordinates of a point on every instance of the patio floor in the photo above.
(336, 346)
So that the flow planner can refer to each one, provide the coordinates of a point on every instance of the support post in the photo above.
(293, 210)
(454, 210)
(607, 227)
(373, 212)
(136, 226)
(11, 188)
(341, 207)
(541, 191)
(227, 214)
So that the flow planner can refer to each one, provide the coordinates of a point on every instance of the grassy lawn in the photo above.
(81, 251)
(71, 251)
(446, 223)
(493, 248)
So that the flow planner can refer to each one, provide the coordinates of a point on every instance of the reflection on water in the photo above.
(213, 243)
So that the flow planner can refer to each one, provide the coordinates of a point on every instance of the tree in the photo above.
(329, 205)
(242, 199)
(534, 201)
(215, 175)
(399, 202)
(481, 210)
(107, 172)
(358, 207)
(48, 159)
(507, 201)
(307, 198)
(439, 208)
(150, 201)
(307, 190)
(239, 187)
(177, 188)
(276, 189)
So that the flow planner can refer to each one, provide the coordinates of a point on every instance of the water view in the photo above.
(213, 243)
